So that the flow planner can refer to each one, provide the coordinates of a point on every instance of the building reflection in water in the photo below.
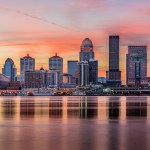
(8, 108)
(114, 107)
(102, 108)
(27, 108)
(88, 107)
(55, 107)
(136, 108)
(93, 122)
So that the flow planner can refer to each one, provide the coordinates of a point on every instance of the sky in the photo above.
(45, 27)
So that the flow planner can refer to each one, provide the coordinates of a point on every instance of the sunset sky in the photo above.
(44, 27)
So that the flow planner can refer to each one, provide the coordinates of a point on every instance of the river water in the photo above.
(74, 123)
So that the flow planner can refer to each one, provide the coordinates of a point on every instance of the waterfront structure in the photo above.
(4, 82)
(93, 71)
(102, 80)
(15, 85)
(35, 79)
(86, 52)
(27, 63)
(113, 75)
(53, 78)
(9, 69)
(83, 76)
(136, 66)
(56, 63)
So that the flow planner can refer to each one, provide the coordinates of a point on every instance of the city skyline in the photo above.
(43, 30)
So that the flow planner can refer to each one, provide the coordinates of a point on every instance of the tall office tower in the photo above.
(56, 63)
(93, 71)
(136, 66)
(113, 76)
(83, 73)
(27, 63)
(9, 69)
(86, 52)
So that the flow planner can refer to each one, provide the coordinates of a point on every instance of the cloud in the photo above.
(90, 4)
(17, 11)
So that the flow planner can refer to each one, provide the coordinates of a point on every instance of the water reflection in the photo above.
(83, 123)
(101, 108)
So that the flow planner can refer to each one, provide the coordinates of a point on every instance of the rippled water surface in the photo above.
(74, 123)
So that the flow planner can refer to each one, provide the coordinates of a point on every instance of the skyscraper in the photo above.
(56, 63)
(113, 76)
(136, 66)
(83, 73)
(9, 69)
(27, 63)
(86, 52)
(93, 71)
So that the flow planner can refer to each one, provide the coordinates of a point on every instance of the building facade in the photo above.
(83, 73)
(113, 75)
(4, 82)
(27, 63)
(9, 69)
(73, 70)
(86, 52)
(67, 78)
(35, 79)
(73, 67)
(53, 78)
(56, 63)
(93, 71)
(136, 66)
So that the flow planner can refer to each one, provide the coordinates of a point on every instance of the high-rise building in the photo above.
(113, 76)
(136, 66)
(86, 52)
(27, 63)
(93, 71)
(56, 63)
(9, 69)
(83, 73)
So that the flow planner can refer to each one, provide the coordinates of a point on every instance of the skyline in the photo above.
(43, 29)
